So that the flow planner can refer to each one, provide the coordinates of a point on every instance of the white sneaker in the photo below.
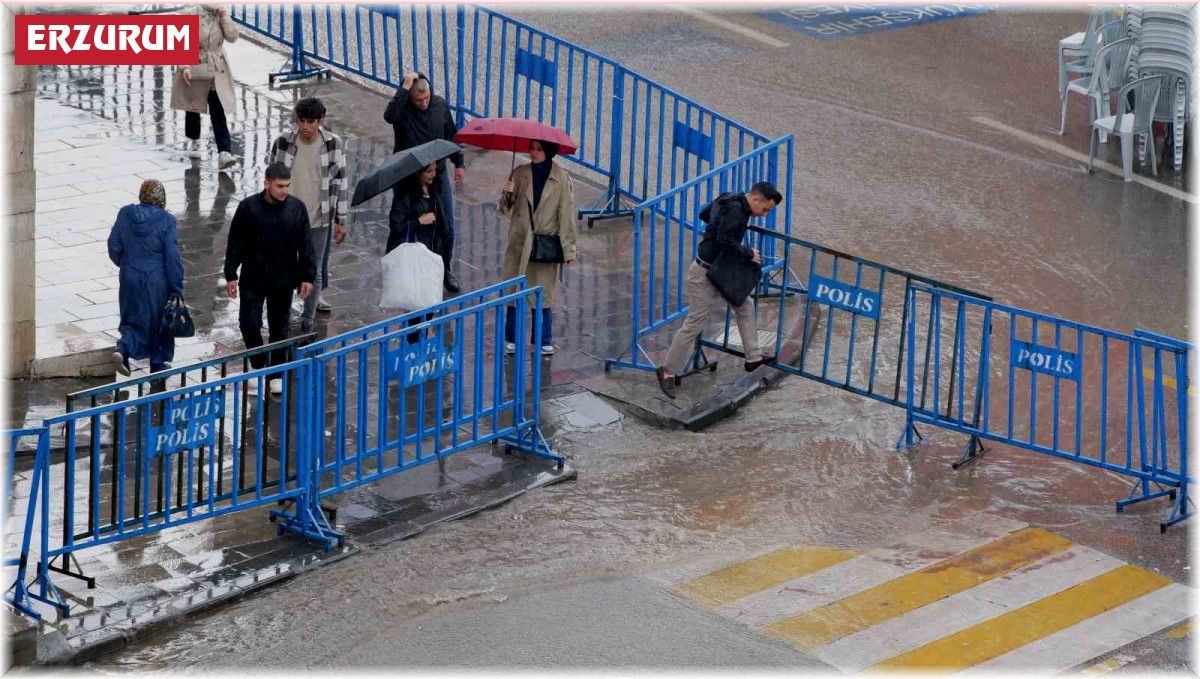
(252, 387)
(547, 349)
(226, 159)
(276, 386)
(193, 148)
(510, 347)
(324, 306)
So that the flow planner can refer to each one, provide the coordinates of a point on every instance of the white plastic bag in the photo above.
(412, 278)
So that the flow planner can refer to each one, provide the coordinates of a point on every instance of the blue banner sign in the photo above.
(839, 295)
(1054, 362)
(829, 22)
(413, 364)
(189, 422)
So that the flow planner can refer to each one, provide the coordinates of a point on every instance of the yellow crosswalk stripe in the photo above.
(767, 571)
(1168, 382)
(1046, 616)
(899, 596)
(1180, 632)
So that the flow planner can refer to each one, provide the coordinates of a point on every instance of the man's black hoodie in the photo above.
(413, 127)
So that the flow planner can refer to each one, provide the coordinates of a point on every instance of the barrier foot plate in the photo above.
(65, 569)
(1143, 485)
(971, 452)
(1180, 512)
(301, 71)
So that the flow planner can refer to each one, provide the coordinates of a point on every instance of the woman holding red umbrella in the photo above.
(540, 203)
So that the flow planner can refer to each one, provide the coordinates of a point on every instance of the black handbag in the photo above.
(546, 249)
(177, 320)
(734, 276)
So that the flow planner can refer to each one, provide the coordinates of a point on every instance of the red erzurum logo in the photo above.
(86, 40)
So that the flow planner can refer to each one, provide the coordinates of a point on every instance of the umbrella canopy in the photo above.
(512, 134)
(400, 165)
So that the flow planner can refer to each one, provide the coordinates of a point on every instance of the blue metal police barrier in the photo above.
(439, 385)
(1172, 386)
(19, 594)
(863, 305)
(641, 136)
(668, 228)
(170, 465)
(390, 325)
(1107, 404)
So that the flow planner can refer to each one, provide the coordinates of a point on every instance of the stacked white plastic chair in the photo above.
(1165, 47)
(1082, 46)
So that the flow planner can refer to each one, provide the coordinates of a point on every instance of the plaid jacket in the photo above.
(335, 199)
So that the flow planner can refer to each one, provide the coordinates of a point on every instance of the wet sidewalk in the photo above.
(101, 131)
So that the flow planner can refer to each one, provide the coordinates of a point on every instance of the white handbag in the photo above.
(412, 278)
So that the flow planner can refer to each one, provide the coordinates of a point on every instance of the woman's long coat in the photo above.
(215, 31)
(555, 215)
(144, 246)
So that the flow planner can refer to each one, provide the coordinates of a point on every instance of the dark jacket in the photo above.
(413, 127)
(727, 217)
(269, 241)
(403, 224)
(143, 244)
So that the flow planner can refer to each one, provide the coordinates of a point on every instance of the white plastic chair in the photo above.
(1105, 35)
(1074, 46)
(1135, 110)
(1109, 74)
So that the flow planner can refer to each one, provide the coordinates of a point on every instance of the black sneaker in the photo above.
(751, 366)
(451, 284)
(667, 385)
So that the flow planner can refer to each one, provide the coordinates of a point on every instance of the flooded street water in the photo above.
(890, 167)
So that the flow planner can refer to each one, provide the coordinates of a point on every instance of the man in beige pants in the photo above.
(727, 217)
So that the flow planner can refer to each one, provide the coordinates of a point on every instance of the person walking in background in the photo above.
(728, 217)
(417, 116)
(208, 86)
(317, 159)
(144, 246)
(417, 216)
(269, 241)
(539, 199)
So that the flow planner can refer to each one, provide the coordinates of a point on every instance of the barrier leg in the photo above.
(636, 354)
(308, 522)
(297, 67)
(607, 206)
(532, 441)
(1182, 510)
(698, 363)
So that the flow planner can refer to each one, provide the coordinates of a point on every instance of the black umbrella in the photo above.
(400, 165)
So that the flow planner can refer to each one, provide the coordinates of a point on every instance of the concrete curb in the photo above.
(55, 649)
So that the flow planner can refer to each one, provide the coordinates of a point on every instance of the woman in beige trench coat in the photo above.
(539, 199)
(208, 86)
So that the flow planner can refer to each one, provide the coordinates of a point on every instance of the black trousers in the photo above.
(279, 315)
(191, 123)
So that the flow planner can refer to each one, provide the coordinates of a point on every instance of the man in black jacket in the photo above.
(269, 240)
(418, 116)
(727, 216)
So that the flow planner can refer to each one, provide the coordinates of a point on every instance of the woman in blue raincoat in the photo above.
(143, 245)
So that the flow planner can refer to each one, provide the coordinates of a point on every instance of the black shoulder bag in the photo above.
(546, 249)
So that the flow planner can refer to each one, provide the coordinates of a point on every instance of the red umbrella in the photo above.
(512, 134)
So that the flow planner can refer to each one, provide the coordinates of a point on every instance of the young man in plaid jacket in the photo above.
(317, 159)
